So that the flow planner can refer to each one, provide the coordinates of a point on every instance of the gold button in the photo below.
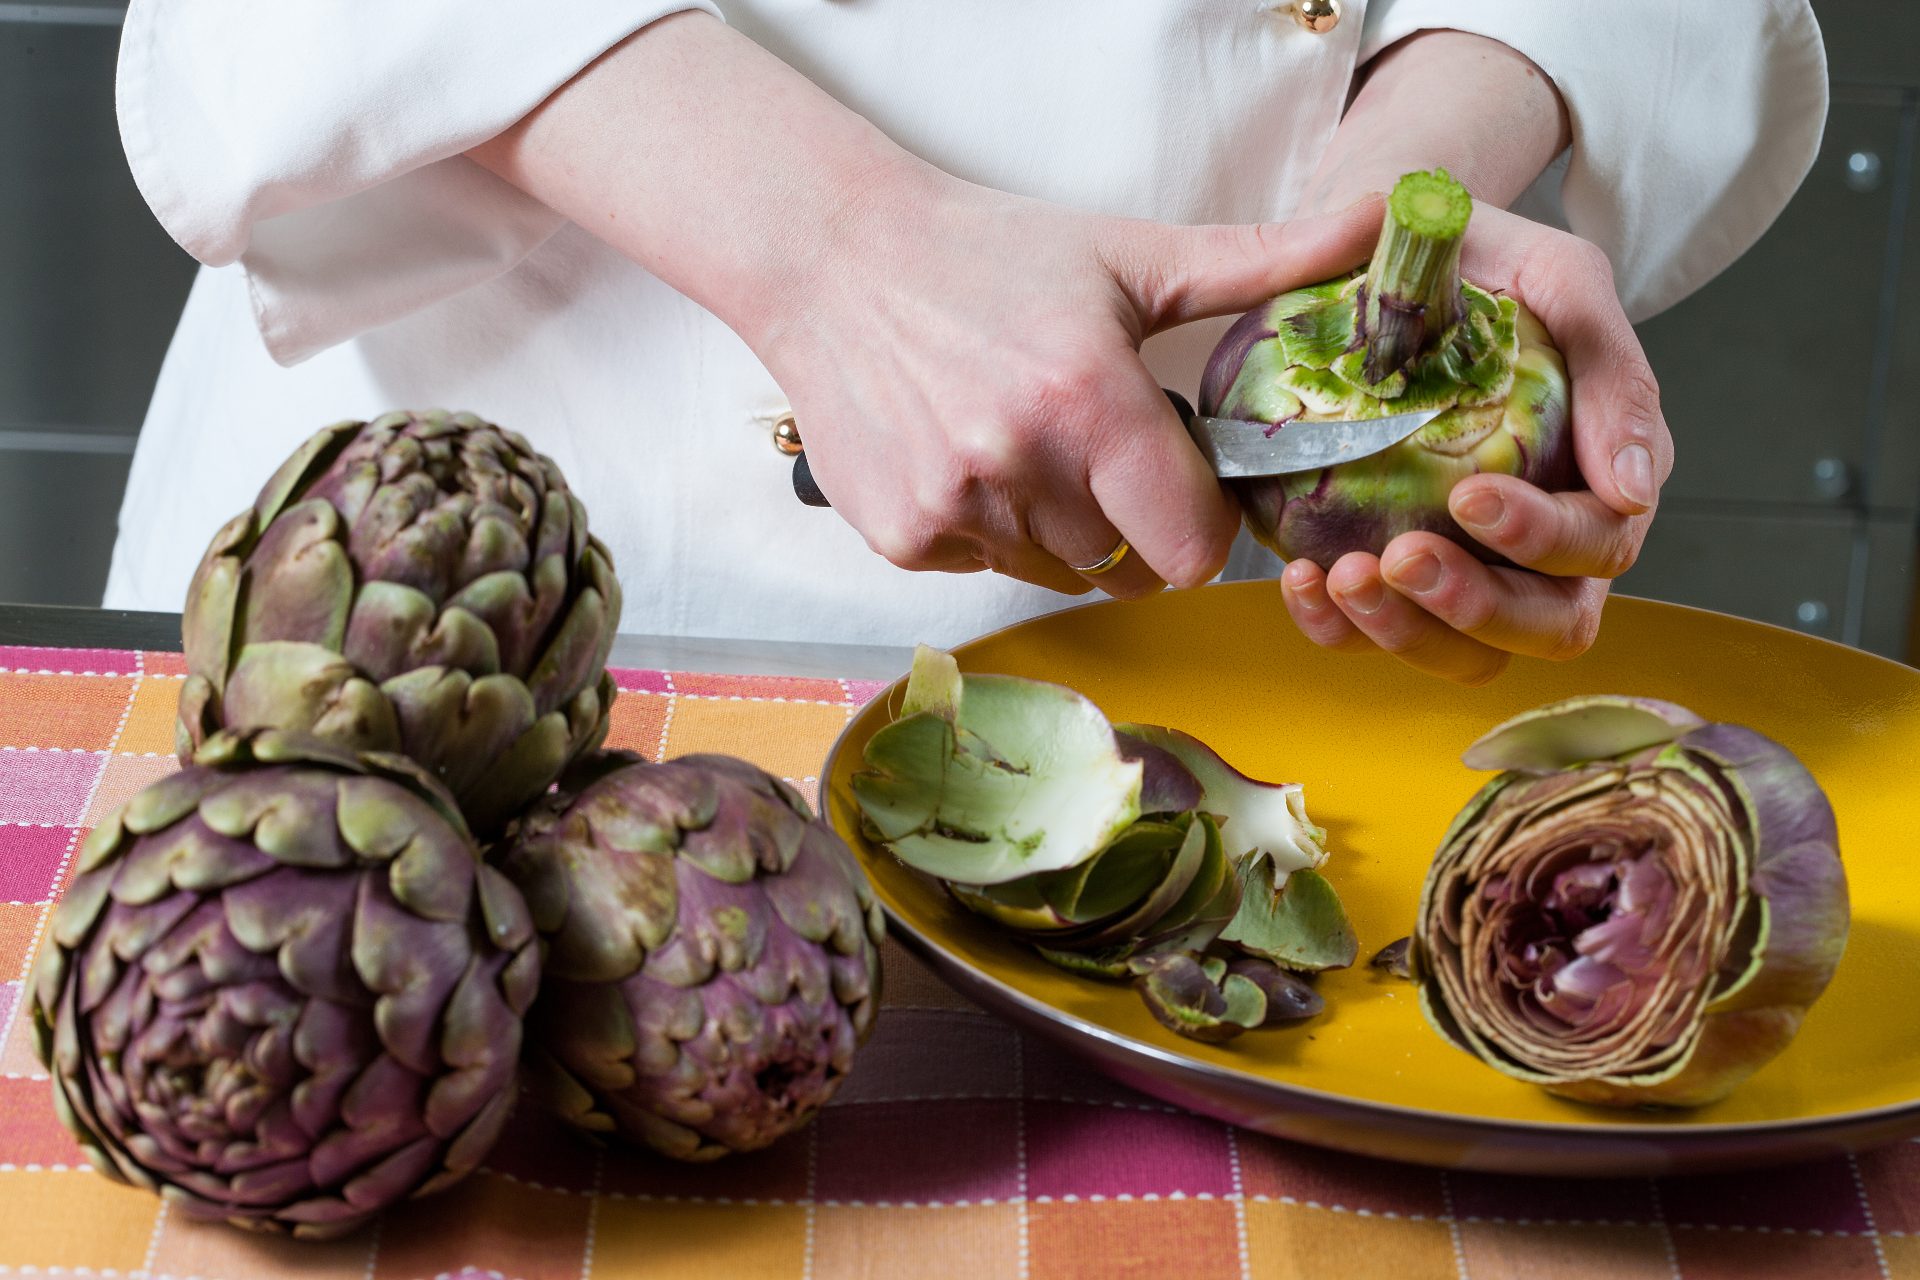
(786, 434)
(1317, 16)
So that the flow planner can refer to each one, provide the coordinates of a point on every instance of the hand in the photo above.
(964, 369)
(1429, 602)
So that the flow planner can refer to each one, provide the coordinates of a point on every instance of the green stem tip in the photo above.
(1413, 282)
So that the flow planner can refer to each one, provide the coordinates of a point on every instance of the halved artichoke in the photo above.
(1638, 910)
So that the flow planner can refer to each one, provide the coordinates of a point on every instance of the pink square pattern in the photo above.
(899, 1153)
(46, 786)
(121, 662)
(30, 859)
(1079, 1150)
(1818, 1196)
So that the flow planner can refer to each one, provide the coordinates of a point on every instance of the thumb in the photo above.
(1174, 274)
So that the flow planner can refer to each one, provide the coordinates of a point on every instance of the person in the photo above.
(961, 246)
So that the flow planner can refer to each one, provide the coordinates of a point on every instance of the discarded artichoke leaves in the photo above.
(1106, 846)
(1638, 910)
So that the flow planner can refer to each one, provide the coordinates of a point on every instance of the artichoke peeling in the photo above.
(1638, 909)
(711, 958)
(422, 583)
(1406, 334)
(1120, 851)
(283, 989)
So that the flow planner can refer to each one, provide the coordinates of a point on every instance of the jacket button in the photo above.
(786, 434)
(1317, 16)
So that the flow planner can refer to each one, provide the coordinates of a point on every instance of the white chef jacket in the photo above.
(309, 152)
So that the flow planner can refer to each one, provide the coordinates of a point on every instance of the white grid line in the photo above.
(1453, 1228)
(1666, 1228)
(666, 721)
(1023, 1242)
(373, 1250)
(1866, 1210)
(153, 1239)
(813, 1209)
(671, 692)
(1239, 1198)
(593, 1212)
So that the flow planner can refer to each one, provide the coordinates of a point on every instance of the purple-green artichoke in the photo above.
(1638, 910)
(283, 989)
(711, 949)
(422, 583)
(1406, 334)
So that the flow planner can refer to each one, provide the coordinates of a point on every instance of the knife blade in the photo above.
(1236, 449)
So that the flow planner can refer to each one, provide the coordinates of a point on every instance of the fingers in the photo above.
(1175, 274)
(1571, 535)
(1156, 488)
(1086, 537)
(1620, 435)
(1404, 629)
(1304, 588)
(1519, 612)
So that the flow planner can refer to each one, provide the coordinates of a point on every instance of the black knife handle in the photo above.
(808, 491)
(804, 487)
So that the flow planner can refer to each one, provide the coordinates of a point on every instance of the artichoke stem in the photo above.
(1412, 293)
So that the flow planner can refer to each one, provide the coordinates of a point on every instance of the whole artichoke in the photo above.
(422, 583)
(283, 989)
(711, 953)
(1639, 909)
(1407, 334)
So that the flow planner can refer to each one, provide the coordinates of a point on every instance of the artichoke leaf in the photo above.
(1577, 730)
(1020, 777)
(1261, 819)
(1300, 925)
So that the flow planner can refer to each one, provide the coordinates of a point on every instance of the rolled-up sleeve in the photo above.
(318, 143)
(1693, 124)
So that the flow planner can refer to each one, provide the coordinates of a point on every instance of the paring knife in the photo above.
(1237, 449)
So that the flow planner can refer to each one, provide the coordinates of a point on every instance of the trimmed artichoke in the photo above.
(712, 953)
(1406, 334)
(1103, 846)
(283, 989)
(1638, 910)
(422, 583)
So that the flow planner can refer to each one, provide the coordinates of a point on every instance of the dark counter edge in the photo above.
(71, 627)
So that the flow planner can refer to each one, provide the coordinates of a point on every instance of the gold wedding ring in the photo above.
(1105, 562)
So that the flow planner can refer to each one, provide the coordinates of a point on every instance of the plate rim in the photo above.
(1323, 1102)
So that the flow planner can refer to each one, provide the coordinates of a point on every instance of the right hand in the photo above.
(964, 368)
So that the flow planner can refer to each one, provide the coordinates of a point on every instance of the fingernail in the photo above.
(1419, 572)
(1366, 596)
(1633, 472)
(1483, 509)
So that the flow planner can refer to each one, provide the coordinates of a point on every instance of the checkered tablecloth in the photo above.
(959, 1147)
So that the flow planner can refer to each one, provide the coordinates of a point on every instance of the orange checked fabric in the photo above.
(959, 1148)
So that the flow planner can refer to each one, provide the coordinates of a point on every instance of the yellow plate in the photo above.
(1378, 748)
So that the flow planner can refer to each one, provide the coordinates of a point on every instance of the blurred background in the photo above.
(1792, 382)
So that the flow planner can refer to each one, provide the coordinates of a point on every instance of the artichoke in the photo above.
(283, 989)
(1638, 910)
(422, 583)
(1406, 334)
(1111, 849)
(711, 953)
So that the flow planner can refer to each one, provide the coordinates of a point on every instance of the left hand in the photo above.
(1430, 603)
